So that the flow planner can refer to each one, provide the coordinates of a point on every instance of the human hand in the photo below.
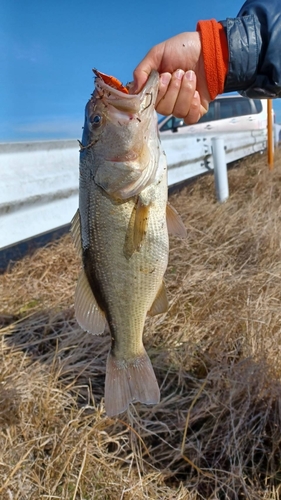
(183, 89)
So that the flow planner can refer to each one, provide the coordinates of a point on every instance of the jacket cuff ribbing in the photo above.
(215, 55)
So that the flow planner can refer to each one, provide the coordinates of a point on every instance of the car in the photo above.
(227, 113)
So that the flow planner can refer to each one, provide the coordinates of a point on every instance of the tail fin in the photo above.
(128, 382)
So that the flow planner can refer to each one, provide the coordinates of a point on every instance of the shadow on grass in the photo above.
(217, 427)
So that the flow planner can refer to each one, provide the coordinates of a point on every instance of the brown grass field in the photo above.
(216, 434)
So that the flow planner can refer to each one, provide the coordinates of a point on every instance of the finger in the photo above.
(140, 78)
(204, 107)
(185, 95)
(164, 81)
(194, 113)
(167, 103)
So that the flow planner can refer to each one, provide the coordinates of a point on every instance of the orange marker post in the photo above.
(270, 145)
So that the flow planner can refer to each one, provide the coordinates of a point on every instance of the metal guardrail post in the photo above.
(270, 142)
(220, 169)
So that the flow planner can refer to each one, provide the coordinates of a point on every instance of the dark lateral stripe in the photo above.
(88, 258)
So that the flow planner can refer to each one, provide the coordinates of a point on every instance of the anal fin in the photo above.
(160, 304)
(88, 314)
(175, 224)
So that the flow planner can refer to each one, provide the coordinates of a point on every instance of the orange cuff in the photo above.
(215, 55)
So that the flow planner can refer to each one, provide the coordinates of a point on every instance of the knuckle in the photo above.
(164, 109)
(188, 120)
(179, 113)
(192, 117)
(189, 87)
(175, 84)
(195, 106)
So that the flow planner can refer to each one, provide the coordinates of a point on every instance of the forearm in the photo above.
(253, 50)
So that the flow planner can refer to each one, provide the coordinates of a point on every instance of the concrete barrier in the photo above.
(38, 188)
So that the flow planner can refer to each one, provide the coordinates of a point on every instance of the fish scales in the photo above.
(129, 284)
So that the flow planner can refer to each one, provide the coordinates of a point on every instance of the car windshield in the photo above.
(222, 108)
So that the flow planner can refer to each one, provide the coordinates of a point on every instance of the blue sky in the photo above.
(48, 49)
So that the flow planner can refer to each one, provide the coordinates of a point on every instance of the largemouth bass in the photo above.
(121, 233)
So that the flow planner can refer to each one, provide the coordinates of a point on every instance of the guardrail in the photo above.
(189, 156)
(39, 180)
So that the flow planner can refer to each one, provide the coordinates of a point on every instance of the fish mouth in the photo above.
(112, 82)
(113, 93)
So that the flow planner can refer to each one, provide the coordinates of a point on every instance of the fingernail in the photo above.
(179, 74)
(190, 76)
(165, 78)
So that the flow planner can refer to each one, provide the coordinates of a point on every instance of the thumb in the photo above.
(141, 74)
(151, 61)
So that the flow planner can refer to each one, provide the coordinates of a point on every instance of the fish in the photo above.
(120, 231)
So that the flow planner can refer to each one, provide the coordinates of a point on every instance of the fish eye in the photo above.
(95, 120)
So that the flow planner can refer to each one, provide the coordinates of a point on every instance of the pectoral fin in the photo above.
(175, 224)
(76, 232)
(160, 304)
(137, 228)
(141, 223)
(88, 314)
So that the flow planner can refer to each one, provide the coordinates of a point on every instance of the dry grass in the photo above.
(216, 432)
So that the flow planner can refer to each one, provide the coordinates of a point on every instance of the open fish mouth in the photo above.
(112, 82)
(114, 93)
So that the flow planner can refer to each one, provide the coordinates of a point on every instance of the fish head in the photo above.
(119, 127)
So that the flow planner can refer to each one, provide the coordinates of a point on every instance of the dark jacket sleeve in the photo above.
(254, 44)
